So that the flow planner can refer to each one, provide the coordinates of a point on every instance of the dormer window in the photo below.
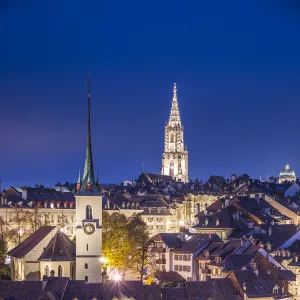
(52, 205)
(45, 204)
(206, 221)
(206, 253)
(275, 290)
(218, 259)
(65, 204)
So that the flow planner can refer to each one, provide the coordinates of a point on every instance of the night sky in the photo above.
(236, 64)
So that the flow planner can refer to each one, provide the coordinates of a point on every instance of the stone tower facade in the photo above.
(88, 217)
(175, 156)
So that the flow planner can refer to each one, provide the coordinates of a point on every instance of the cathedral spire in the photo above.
(175, 92)
(88, 179)
(174, 119)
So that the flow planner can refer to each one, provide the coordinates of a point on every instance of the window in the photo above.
(87, 247)
(189, 279)
(72, 218)
(86, 278)
(60, 271)
(172, 138)
(150, 219)
(159, 219)
(150, 227)
(89, 212)
(176, 257)
(52, 218)
(47, 271)
(86, 266)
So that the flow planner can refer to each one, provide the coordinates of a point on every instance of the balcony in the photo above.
(161, 261)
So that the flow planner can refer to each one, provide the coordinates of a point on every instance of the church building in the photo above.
(48, 251)
(88, 228)
(175, 156)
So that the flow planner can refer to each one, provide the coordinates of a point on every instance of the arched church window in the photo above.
(89, 212)
(60, 271)
(86, 266)
(86, 278)
(47, 271)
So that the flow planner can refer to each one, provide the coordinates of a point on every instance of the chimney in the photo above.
(52, 273)
(244, 286)
(253, 267)
(250, 224)
(24, 193)
(227, 202)
(270, 230)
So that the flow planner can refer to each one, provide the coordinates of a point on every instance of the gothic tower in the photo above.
(175, 157)
(88, 216)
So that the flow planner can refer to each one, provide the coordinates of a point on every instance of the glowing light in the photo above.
(117, 277)
(181, 222)
(103, 260)
(20, 232)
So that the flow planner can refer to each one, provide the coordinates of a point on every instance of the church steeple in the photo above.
(175, 157)
(88, 184)
(174, 119)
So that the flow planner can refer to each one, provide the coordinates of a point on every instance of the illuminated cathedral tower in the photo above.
(175, 157)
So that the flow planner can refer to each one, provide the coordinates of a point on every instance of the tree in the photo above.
(17, 229)
(125, 242)
(33, 219)
(116, 246)
(138, 237)
(4, 268)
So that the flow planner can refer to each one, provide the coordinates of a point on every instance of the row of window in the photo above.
(182, 257)
(158, 227)
(182, 268)
(157, 219)
(60, 271)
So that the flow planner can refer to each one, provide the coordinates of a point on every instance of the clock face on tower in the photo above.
(89, 228)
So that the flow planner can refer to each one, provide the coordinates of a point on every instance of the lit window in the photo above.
(89, 212)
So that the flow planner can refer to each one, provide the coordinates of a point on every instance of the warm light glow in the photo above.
(20, 232)
(103, 260)
(117, 277)
(181, 222)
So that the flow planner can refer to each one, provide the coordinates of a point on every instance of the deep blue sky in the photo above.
(236, 64)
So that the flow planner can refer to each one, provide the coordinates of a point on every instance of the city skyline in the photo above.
(237, 81)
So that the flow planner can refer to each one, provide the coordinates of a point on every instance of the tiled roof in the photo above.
(237, 261)
(170, 276)
(27, 245)
(186, 243)
(216, 289)
(60, 248)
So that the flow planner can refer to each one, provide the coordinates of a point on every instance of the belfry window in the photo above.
(89, 212)
(172, 138)
(47, 271)
(60, 271)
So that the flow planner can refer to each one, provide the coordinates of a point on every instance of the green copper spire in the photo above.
(89, 185)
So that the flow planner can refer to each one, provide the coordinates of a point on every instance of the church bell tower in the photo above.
(88, 216)
(175, 156)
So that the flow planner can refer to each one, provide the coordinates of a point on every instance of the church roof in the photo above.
(89, 186)
(60, 248)
(27, 245)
